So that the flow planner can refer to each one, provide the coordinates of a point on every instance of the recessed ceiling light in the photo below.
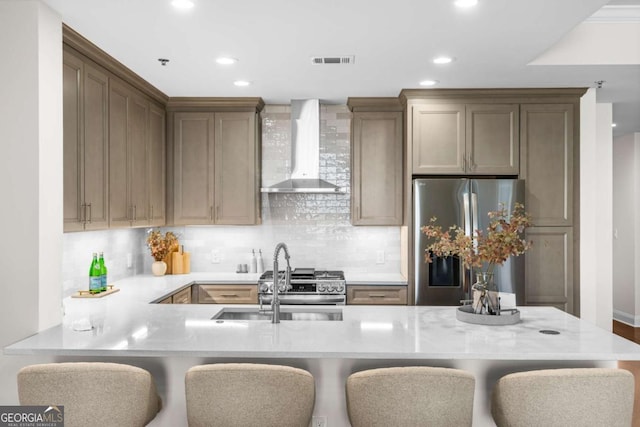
(465, 3)
(241, 83)
(428, 83)
(442, 60)
(224, 60)
(182, 4)
(613, 125)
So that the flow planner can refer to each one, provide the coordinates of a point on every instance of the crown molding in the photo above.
(83, 46)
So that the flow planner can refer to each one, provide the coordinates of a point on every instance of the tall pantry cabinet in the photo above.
(531, 134)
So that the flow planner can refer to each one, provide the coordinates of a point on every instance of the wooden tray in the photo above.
(86, 294)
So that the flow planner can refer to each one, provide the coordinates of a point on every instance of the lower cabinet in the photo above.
(382, 295)
(549, 267)
(182, 297)
(227, 294)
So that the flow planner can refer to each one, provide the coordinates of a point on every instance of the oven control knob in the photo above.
(282, 288)
(264, 287)
(340, 288)
(321, 288)
(330, 288)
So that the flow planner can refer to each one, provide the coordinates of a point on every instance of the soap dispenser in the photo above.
(260, 262)
(254, 263)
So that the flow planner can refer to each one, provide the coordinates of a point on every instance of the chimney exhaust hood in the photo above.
(305, 152)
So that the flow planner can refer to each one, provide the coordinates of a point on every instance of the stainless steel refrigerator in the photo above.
(463, 202)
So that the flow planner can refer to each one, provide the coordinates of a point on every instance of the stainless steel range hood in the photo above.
(305, 152)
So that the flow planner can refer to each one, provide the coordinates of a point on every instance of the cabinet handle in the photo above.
(82, 213)
(151, 213)
(211, 213)
(377, 296)
(135, 213)
(464, 163)
(229, 295)
(90, 213)
(472, 164)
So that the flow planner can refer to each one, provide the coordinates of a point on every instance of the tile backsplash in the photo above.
(119, 247)
(316, 227)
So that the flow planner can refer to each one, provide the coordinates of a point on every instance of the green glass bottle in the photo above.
(95, 281)
(103, 273)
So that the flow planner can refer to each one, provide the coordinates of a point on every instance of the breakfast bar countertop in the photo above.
(126, 324)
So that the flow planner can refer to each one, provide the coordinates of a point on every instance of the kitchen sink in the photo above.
(232, 313)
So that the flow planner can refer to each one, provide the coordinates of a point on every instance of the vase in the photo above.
(158, 268)
(485, 294)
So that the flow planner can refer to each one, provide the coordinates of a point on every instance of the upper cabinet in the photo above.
(136, 152)
(86, 145)
(157, 166)
(469, 139)
(114, 142)
(376, 161)
(216, 162)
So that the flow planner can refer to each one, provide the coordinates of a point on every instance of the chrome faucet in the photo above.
(275, 302)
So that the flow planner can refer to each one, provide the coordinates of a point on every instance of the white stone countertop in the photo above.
(126, 324)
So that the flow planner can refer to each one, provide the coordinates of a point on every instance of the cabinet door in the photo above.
(137, 156)
(438, 139)
(546, 136)
(157, 156)
(492, 139)
(376, 191)
(96, 148)
(377, 295)
(193, 168)
(549, 267)
(74, 210)
(119, 208)
(182, 297)
(235, 189)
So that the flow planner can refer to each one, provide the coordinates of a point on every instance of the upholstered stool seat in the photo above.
(564, 397)
(104, 394)
(410, 396)
(247, 394)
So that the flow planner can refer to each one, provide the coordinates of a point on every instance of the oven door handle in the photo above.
(289, 300)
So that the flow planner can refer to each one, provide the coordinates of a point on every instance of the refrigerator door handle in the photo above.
(466, 218)
(474, 217)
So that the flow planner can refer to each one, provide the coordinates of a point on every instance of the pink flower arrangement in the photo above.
(502, 239)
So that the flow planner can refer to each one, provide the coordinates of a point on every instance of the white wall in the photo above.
(31, 176)
(596, 211)
(626, 226)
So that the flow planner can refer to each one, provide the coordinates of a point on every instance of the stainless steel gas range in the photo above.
(308, 286)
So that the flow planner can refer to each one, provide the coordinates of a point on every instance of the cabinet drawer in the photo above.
(228, 294)
(391, 295)
(183, 296)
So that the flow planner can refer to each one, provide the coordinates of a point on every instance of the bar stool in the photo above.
(106, 394)
(410, 396)
(564, 397)
(247, 394)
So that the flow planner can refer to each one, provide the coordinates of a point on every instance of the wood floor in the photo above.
(632, 334)
(626, 331)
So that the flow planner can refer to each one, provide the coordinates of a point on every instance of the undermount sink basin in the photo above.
(231, 313)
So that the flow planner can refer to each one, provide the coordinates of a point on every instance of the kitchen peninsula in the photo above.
(167, 339)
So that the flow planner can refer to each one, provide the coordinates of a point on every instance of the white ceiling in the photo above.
(393, 43)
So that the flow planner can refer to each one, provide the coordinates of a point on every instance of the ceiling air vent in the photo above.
(344, 60)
